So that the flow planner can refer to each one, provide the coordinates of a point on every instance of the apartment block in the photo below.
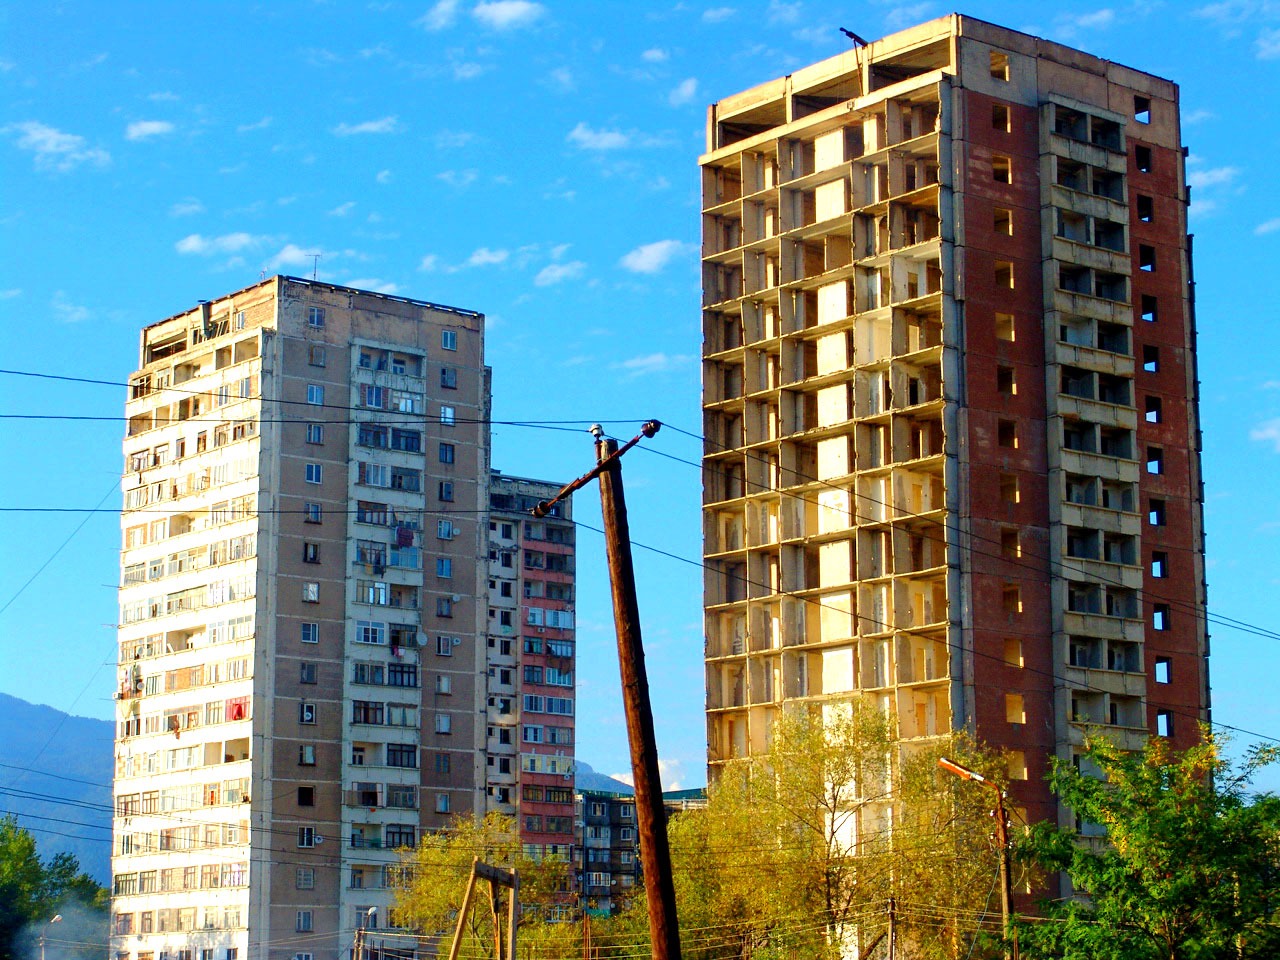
(952, 445)
(532, 653)
(607, 869)
(302, 637)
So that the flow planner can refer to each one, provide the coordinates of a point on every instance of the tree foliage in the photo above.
(1189, 869)
(33, 891)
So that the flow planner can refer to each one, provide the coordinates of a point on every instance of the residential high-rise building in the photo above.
(302, 616)
(530, 737)
(952, 444)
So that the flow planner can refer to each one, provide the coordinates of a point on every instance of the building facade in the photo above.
(532, 656)
(607, 865)
(952, 450)
(302, 632)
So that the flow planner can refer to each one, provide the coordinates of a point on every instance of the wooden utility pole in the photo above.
(651, 821)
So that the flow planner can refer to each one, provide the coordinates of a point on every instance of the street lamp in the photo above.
(1002, 839)
(368, 919)
(57, 918)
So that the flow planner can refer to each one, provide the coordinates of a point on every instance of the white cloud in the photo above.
(651, 363)
(453, 139)
(655, 55)
(468, 71)
(554, 273)
(429, 263)
(717, 14)
(1268, 226)
(458, 179)
(1268, 44)
(589, 139)
(1098, 19)
(199, 245)
(780, 12)
(669, 771)
(381, 125)
(55, 149)
(66, 311)
(439, 17)
(374, 284)
(652, 257)
(562, 79)
(684, 92)
(256, 125)
(1197, 116)
(163, 96)
(10, 293)
(186, 208)
(1267, 432)
(1211, 177)
(484, 257)
(342, 209)
(507, 14)
(291, 255)
(144, 129)
(383, 176)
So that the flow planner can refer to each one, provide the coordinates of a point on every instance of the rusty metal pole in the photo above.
(655, 854)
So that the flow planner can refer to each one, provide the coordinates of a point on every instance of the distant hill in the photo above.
(585, 778)
(65, 798)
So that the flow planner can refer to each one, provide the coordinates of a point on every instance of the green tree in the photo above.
(431, 881)
(1189, 868)
(33, 891)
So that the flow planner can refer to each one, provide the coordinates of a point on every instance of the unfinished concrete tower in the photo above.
(949, 388)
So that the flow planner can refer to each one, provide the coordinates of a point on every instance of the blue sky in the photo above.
(536, 162)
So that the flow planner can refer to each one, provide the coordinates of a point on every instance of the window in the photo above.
(307, 755)
(999, 65)
(307, 673)
(449, 378)
(1150, 308)
(310, 632)
(310, 552)
(311, 592)
(444, 567)
(448, 340)
(1142, 159)
(315, 433)
(1002, 221)
(315, 394)
(444, 723)
(312, 513)
(316, 354)
(1164, 670)
(402, 755)
(303, 923)
(315, 472)
(1013, 653)
(1001, 169)
(315, 316)
(1004, 327)
(1150, 359)
(1164, 723)
(1004, 274)
(306, 712)
(1005, 381)
(1007, 434)
(370, 631)
(305, 878)
(1146, 209)
(1153, 412)
(444, 646)
(448, 416)
(1146, 258)
(1155, 460)
(1142, 109)
(1015, 710)
(444, 493)
(442, 803)
(446, 453)
(1009, 489)
(442, 763)
(1000, 117)
(1160, 616)
(306, 836)
(1155, 512)
(306, 796)
(444, 530)
(1159, 564)
(444, 606)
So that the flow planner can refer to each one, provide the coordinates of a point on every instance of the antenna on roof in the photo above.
(315, 264)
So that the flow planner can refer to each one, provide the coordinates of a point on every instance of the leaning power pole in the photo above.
(651, 823)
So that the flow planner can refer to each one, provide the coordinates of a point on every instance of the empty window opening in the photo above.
(1153, 413)
(1159, 564)
(1016, 765)
(1074, 279)
(1073, 226)
(1150, 308)
(1013, 653)
(1155, 460)
(1006, 381)
(1010, 491)
(1004, 326)
(1146, 258)
(1007, 434)
(1156, 513)
(1146, 209)
(1164, 670)
(1150, 359)
(1012, 598)
(1015, 710)
(1160, 617)
(1108, 234)
(1002, 221)
(1164, 723)
(999, 65)
(1000, 117)
(1110, 286)
(1104, 133)
(1142, 159)
(1001, 169)
(1010, 546)
(1142, 109)
(1113, 337)
(1004, 274)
